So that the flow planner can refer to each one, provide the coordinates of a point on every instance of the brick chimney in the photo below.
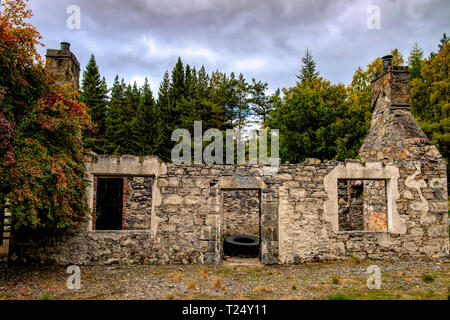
(64, 65)
(394, 134)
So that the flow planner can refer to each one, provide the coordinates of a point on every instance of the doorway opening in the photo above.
(241, 235)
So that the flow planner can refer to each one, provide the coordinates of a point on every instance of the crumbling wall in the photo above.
(396, 196)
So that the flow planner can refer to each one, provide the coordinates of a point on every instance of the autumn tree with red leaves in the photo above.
(41, 155)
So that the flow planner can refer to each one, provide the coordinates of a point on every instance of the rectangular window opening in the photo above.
(109, 204)
(362, 205)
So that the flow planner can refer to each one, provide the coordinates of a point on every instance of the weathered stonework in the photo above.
(402, 200)
(138, 203)
(64, 65)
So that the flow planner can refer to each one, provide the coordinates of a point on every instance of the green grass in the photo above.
(427, 278)
(335, 280)
(45, 296)
(338, 296)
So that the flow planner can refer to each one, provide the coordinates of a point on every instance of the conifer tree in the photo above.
(177, 85)
(415, 62)
(308, 70)
(162, 146)
(144, 124)
(259, 101)
(94, 94)
(202, 84)
(116, 140)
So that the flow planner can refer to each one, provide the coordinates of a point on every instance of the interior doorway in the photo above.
(241, 229)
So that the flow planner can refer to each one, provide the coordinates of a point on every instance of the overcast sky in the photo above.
(265, 39)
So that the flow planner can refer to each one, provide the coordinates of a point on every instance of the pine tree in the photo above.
(94, 93)
(118, 120)
(144, 124)
(177, 86)
(308, 70)
(162, 145)
(243, 103)
(415, 62)
(202, 84)
(259, 101)
(190, 82)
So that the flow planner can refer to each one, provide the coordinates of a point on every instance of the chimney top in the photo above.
(387, 61)
(65, 46)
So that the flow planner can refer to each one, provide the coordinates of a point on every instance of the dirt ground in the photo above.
(235, 279)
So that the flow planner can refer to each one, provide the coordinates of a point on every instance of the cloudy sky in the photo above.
(264, 39)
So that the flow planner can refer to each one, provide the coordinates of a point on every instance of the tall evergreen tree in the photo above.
(162, 146)
(202, 84)
(308, 70)
(177, 85)
(144, 124)
(117, 135)
(94, 94)
(259, 101)
(415, 62)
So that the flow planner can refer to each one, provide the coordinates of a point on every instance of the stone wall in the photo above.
(299, 217)
(398, 194)
(138, 203)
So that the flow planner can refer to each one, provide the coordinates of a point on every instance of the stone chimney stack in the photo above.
(394, 134)
(64, 65)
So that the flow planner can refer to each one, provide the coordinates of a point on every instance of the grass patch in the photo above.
(427, 278)
(335, 280)
(217, 283)
(175, 277)
(191, 285)
(45, 296)
(203, 274)
(263, 289)
(338, 296)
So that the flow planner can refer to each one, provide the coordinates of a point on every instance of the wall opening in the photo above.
(362, 205)
(241, 222)
(109, 204)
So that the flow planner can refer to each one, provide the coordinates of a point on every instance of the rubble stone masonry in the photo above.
(179, 213)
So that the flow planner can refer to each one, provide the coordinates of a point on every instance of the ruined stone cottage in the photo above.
(390, 205)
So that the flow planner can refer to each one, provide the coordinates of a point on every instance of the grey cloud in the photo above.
(233, 32)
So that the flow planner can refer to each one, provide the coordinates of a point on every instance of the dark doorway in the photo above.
(109, 204)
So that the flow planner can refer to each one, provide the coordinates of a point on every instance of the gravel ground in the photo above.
(333, 280)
